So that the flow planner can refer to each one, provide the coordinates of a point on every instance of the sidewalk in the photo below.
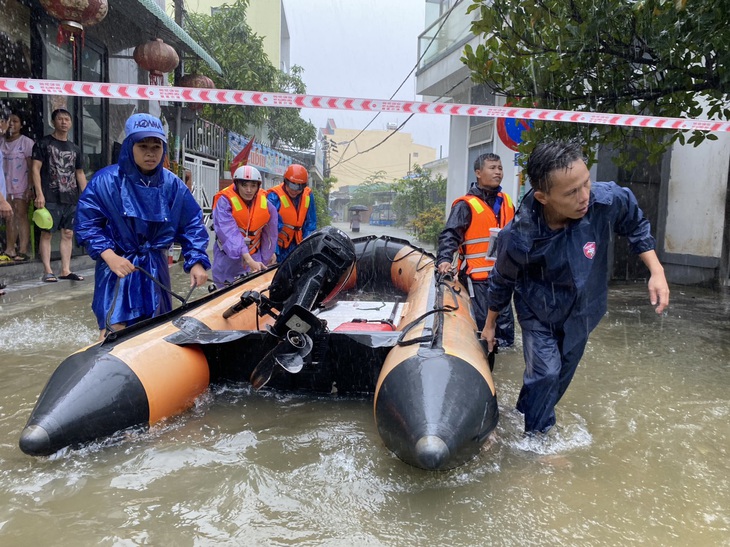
(24, 279)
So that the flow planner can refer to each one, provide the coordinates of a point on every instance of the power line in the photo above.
(448, 14)
(401, 125)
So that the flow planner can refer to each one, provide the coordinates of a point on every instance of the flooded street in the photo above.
(640, 455)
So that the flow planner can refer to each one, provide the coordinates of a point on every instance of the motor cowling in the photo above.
(318, 267)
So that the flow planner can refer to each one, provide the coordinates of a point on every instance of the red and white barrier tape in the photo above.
(286, 100)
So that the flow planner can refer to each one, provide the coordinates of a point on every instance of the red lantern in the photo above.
(157, 57)
(196, 80)
(74, 14)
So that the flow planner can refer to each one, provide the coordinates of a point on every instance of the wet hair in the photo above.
(479, 162)
(548, 157)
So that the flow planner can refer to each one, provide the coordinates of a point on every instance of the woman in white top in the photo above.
(16, 151)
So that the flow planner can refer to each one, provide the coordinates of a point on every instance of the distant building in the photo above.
(353, 156)
(438, 167)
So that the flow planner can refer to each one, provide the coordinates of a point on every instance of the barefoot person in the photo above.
(17, 151)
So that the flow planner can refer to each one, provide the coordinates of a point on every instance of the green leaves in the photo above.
(229, 39)
(657, 57)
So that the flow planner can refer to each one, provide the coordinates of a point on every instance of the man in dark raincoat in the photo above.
(554, 257)
(128, 217)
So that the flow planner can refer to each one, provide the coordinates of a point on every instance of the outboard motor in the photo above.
(314, 272)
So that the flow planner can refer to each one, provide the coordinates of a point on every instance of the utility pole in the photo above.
(329, 146)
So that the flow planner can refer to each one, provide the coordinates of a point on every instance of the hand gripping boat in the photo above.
(292, 328)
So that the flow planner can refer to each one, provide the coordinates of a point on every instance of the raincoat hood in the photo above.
(142, 195)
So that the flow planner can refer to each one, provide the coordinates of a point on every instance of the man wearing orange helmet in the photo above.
(297, 212)
(245, 224)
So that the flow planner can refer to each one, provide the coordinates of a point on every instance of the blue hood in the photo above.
(142, 195)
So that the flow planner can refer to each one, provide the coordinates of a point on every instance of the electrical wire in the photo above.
(401, 125)
(443, 22)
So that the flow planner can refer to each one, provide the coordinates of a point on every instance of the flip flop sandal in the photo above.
(21, 257)
(49, 278)
(71, 277)
(5, 259)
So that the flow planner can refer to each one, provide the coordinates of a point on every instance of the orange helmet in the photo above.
(297, 174)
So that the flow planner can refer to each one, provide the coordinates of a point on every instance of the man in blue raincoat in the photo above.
(128, 216)
(554, 258)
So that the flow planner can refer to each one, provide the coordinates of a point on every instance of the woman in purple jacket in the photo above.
(245, 225)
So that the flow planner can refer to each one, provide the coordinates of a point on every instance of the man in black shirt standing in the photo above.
(58, 179)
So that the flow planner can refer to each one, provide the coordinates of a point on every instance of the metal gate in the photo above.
(206, 180)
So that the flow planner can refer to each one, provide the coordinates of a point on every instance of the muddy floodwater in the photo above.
(640, 455)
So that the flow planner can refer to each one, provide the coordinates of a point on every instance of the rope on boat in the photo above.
(440, 284)
(111, 333)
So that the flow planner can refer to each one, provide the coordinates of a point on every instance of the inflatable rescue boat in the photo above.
(298, 326)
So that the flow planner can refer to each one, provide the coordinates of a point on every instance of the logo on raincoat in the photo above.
(589, 249)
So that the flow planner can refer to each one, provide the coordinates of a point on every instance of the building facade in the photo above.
(354, 156)
(32, 46)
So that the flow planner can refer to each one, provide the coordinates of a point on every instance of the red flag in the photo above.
(242, 157)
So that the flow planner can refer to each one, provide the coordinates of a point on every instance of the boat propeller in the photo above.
(314, 272)
(292, 349)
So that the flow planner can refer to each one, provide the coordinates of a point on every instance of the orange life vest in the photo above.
(250, 221)
(292, 218)
(473, 251)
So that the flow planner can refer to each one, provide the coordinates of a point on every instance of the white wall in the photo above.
(697, 190)
(459, 172)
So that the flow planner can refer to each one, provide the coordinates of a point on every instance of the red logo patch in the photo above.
(589, 249)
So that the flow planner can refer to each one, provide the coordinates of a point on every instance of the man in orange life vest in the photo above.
(467, 232)
(245, 225)
(297, 213)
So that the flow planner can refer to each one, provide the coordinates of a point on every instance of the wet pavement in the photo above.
(25, 278)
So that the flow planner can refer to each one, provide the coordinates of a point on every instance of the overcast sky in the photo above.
(362, 49)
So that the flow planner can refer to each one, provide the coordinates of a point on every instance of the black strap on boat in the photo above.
(387, 240)
(109, 330)
(440, 283)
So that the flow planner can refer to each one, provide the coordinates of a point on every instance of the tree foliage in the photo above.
(367, 191)
(419, 201)
(240, 53)
(285, 125)
(321, 199)
(418, 193)
(654, 57)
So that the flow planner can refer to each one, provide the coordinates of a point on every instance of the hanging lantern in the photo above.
(196, 80)
(157, 57)
(74, 15)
